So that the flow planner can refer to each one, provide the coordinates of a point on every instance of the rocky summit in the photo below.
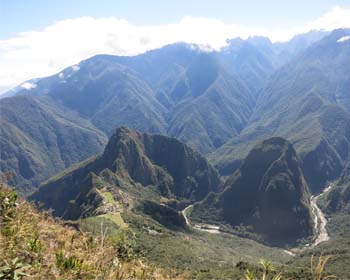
(130, 160)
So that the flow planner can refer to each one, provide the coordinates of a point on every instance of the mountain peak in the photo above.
(132, 160)
(123, 130)
(267, 196)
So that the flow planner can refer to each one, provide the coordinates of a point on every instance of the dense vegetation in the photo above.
(124, 208)
(36, 246)
(268, 195)
(131, 161)
(305, 101)
(205, 99)
(39, 139)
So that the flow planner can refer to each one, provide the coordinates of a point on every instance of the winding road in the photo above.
(319, 218)
(201, 227)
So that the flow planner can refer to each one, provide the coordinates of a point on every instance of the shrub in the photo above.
(13, 270)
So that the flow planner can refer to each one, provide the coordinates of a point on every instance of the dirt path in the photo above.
(183, 212)
(201, 227)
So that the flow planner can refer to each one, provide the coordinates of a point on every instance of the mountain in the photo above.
(202, 98)
(249, 62)
(178, 90)
(336, 205)
(280, 53)
(217, 106)
(135, 192)
(190, 83)
(133, 169)
(39, 139)
(169, 91)
(273, 117)
(106, 93)
(306, 102)
(267, 195)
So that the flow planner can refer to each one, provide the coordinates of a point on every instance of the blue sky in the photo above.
(26, 15)
(42, 37)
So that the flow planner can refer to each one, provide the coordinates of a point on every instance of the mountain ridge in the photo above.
(132, 162)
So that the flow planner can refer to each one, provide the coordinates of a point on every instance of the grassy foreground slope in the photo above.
(34, 245)
(339, 263)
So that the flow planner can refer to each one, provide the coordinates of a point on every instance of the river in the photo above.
(319, 219)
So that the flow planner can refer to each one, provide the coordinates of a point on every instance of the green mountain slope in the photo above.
(304, 102)
(336, 205)
(166, 91)
(214, 105)
(249, 60)
(268, 195)
(190, 83)
(140, 182)
(108, 94)
(133, 167)
(39, 139)
(201, 98)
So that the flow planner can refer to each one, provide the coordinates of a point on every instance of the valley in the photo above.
(195, 162)
(319, 221)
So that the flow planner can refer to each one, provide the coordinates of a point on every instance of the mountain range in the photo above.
(205, 99)
(306, 102)
(193, 149)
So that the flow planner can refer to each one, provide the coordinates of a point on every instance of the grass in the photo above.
(110, 221)
(34, 245)
(108, 197)
(338, 264)
(200, 252)
(116, 218)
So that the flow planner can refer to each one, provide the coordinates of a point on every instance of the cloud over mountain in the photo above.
(44, 52)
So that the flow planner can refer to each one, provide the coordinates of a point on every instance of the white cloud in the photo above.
(335, 18)
(28, 85)
(343, 39)
(48, 51)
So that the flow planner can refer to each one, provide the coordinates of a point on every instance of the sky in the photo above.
(40, 38)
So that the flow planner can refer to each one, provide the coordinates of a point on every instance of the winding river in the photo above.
(319, 218)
